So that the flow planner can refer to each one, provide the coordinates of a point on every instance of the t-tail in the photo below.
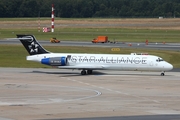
(31, 44)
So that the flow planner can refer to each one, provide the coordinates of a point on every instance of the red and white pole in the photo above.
(39, 24)
(52, 16)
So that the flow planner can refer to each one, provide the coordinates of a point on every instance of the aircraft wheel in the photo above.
(89, 71)
(83, 72)
(162, 74)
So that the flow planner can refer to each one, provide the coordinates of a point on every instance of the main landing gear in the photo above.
(83, 72)
(162, 73)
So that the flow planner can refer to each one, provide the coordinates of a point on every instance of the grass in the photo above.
(83, 29)
(87, 34)
(15, 55)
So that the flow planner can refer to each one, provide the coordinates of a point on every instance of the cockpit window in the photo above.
(159, 60)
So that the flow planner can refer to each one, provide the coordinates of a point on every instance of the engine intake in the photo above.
(55, 61)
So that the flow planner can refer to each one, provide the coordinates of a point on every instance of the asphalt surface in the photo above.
(57, 94)
(145, 117)
(165, 106)
(157, 46)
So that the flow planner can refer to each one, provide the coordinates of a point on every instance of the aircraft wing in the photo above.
(81, 66)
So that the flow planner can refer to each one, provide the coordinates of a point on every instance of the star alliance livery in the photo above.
(89, 62)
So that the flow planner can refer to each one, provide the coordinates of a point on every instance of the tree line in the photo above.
(90, 8)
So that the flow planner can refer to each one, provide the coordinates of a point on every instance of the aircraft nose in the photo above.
(168, 66)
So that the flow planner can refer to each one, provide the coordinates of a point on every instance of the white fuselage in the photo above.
(108, 61)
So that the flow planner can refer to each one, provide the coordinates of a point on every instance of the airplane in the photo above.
(89, 62)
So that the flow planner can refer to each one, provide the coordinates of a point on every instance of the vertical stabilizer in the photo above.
(31, 44)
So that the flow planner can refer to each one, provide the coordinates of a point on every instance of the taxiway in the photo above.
(53, 94)
(157, 46)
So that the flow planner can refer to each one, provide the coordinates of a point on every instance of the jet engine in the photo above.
(55, 61)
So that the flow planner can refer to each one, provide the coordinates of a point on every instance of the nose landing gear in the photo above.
(162, 73)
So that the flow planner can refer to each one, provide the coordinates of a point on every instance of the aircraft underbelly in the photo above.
(113, 67)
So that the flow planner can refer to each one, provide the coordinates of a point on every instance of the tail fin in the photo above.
(31, 44)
